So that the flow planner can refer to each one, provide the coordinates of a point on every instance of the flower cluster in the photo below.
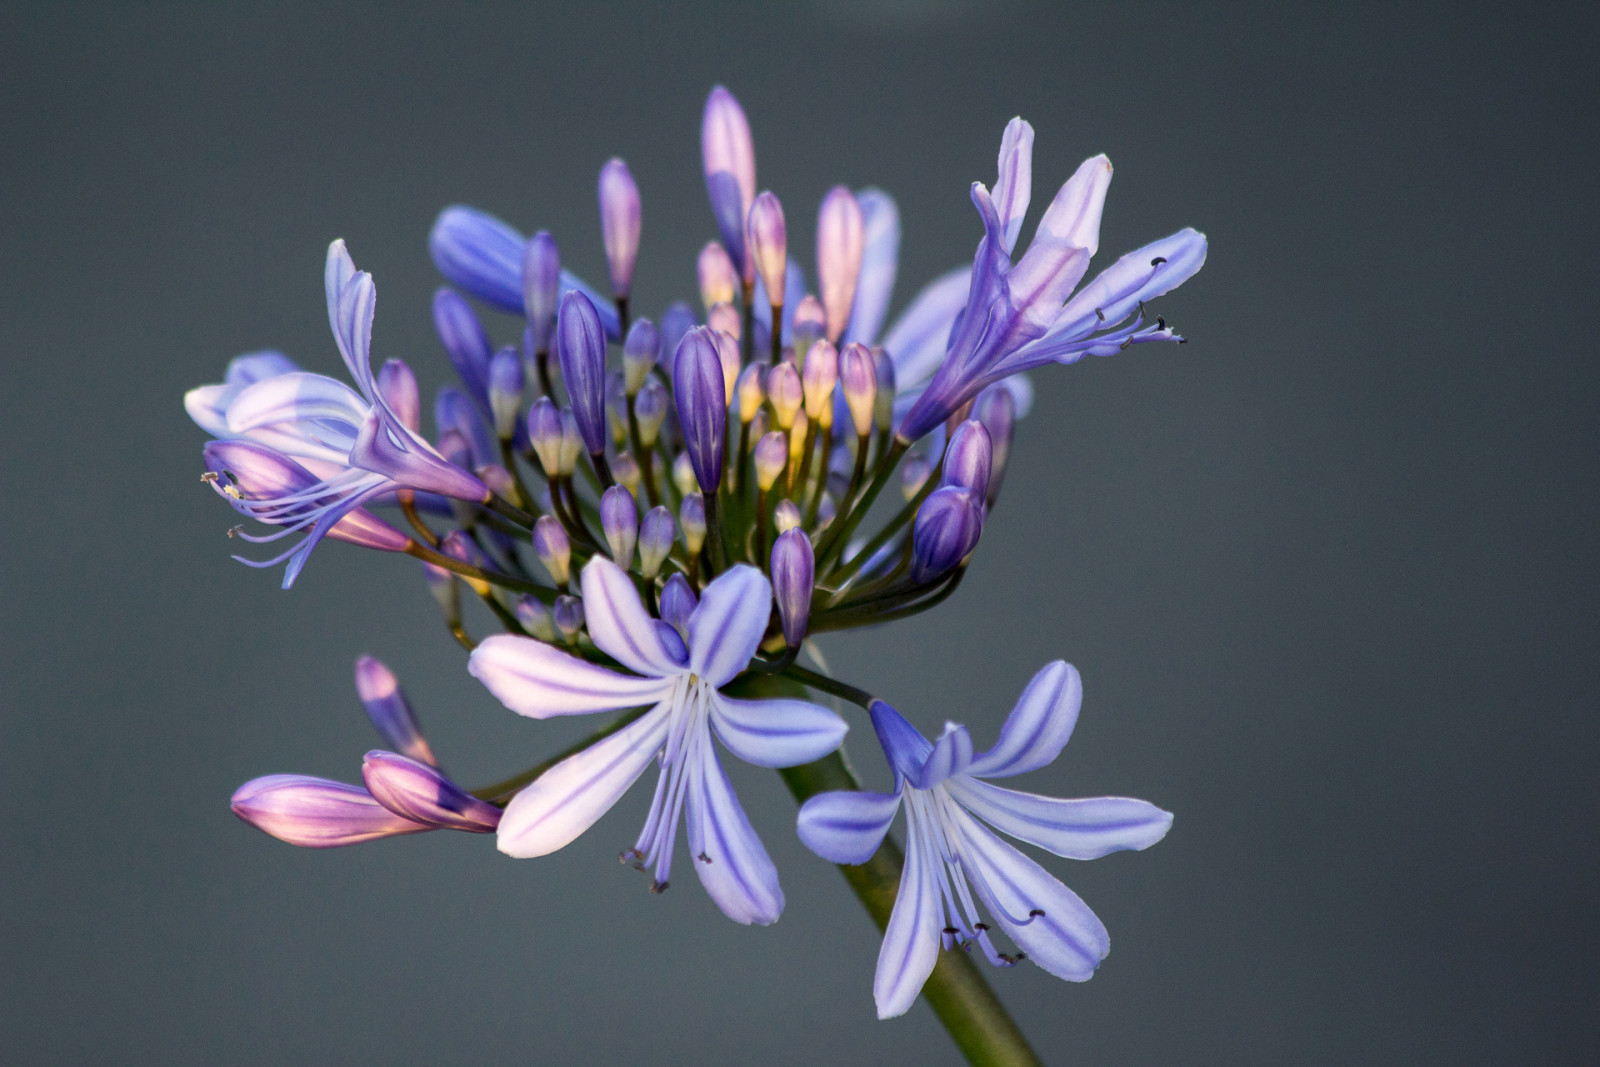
(694, 489)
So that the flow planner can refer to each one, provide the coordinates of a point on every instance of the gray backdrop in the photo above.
(1329, 571)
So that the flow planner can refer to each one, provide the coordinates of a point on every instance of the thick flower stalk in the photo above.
(659, 514)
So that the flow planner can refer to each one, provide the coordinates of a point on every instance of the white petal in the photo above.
(351, 302)
(726, 627)
(618, 623)
(1080, 829)
(911, 941)
(727, 854)
(534, 679)
(1067, 939)
(295, 398)
(1039, 727)
(846, 827)
(568, 798)
(776, 733)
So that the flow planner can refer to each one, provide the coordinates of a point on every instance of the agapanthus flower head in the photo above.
(955, 863)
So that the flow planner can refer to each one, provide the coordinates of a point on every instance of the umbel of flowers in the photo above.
(694, 489)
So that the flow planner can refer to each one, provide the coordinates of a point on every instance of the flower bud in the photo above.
(729, 157)
(827, 511)
(498, 479)
(769, 243)
(639, 353)
(541, 287)
(840, 240)
(619, 223)
(859, 377)
(750, 390)
(316, 813)
(535, 618)
(550, 544)
(683, 478)
(656, 534)
(398, 387)
(581, 348)
(650, 410)
(760, 424)
(676, 321)
(914, 474)
(461, 548)
(617, 408)
(677, 604)
(883, 409)
(944, 532)
(446, 592)
(464, 340)
(997, 410)
(619, 519)
(786, 516)
(505, 391)
(544, 434)
(810, 326)
(786, 392)
(571, 443)
(625, 469)
(390, 711)
(568, 616)
(453, 410)
(702, 399)
(719, 279)
(728, 356)
(793, 572)
(725, 319)
(692, 517)
(818, 378)
(967, 459)
(771, 456)
(417, 791)
(797, 442)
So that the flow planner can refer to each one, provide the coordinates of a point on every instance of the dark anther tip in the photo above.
(1035, 914)
(703, 858)
(1158, 261)
(659, 887)
(1101, 315)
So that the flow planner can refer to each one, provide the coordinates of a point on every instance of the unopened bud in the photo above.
(810, 326)
(750, 390)
(786, 393)
(692, 517)
(883, 408)
(619, 223)
(390, 711)
(544, 434)
(786, 516)
(625, 469)
(967, 459)
(793, 572)
(656, 534)
(535, 618)
(768, 241)
(724, 317)
(771, 456)
(568, 616)
(554, 550)
(650, 410)
(945, 532)
(841, 235)
(683, 478)
(820, 374)
(997, 410)
(619, 519)
(859, 377)
(639, 354)
(571, 443)
(505, 391)
(914, 474)
(719, 281)
(541, 288)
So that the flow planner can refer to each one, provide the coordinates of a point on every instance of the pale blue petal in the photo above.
(352, 300)
(619, 624)
(297, 397)
(911, 941)
(1059, 253)
(846, 827)
(880, 259)
(1039, 727)
(537, 680)
(727, 855)
(903, 745)
(1117, 291)
(1014, 188)
(951, 754)
(776, 733)
(1079, 829)
(726, 627)
(567, 799)
(917, 341)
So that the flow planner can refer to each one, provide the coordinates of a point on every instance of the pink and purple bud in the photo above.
(967, 459)
(786, 516)
(535, 617)
(568, 616)
(858, 374)
(719, 278)
(416, 791)
(619, 519)
(820, 375)
(750, 390)
(505, 391)
(656, 534)
(769, 244)
(724, 318)
(793, 573)
(771, 456)
(554, 550)
(317, 813)
(619, 223)
(841, 236)
(786, 392)
(945, 531)
(581, 347)
(639, 354)
(390, 711)
(729, 157)
(702, 399)
(541, 288)
(692, 517)
(650, 410)
(398, 386)
(544, 434)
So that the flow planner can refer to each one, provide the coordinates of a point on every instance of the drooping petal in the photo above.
(903, 745)
(727, 626)
(618, 622)
(846, 827)
(316, 813)
(919, 337)
(728, 856)
(1064, 937)
(1039, 727)
(778, 732)
(950, 755)
(880, 260)
(534, 679)
(1080, 829)
(414, 790)
(567, 799)
(1014, 188)
(911, 941)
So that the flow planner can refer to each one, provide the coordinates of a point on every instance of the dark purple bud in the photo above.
(967, 459)
(505, 391)
(619, 518)
(841, 237)
(692, 517)
(883, 409)
(316, 813)
(729, 157)
(568, 616)
(650, 410)
(619, 223)
(416, 791)
(656, 534)
(554, 550)
(639, 353)
(544, 434)
(771, 456)
(398, 386)
(390, 711)
(464, 340)
(719, 278)
(677, 603)
(769, 243)
(581, 346)
(676, 321)
(945, 531)
(793, 572)
(997, 410)
(541, 287)
(859, 376)
(536, 618)
(702, 399)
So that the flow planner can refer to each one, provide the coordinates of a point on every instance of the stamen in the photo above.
(1158, 261)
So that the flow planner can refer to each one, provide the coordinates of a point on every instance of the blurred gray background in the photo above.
(1328, 571)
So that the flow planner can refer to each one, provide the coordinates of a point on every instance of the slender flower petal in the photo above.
(776, 732)
(416, 791)
(1015, 185)
(390, 711)
(398, 385)
(1040, 725)
(911, 941)
(621, 628)
(727, 626)
(539, 681)
(619, 223)
(1081, 829)
(729, 858)
(317, 813)
(208, 405)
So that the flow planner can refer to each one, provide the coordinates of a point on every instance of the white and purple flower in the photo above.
(951, 854)
(677, 671)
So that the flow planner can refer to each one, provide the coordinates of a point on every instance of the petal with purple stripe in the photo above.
(534, 679)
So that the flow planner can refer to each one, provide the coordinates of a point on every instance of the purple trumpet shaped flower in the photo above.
(955, 862)
(679, 679)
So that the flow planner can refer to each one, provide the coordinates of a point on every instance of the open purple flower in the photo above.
(678, 678)
(951, 854)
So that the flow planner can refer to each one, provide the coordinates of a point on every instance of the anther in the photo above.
(1036, 913)
(1161, 323)
(1158, 261)
(658, 888)
(982, 928)
(1101, 315)
(703, 858)
(209, 476)
(235, 531)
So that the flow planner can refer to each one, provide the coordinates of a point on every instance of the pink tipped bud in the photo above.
(840, 240)
(769, 243)
(771, 456)
(724, 318)
(786, 393)
(820, 375)
(750, 391)
(810, 325)
(719, 279)
(859, 377)
(619, 223)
